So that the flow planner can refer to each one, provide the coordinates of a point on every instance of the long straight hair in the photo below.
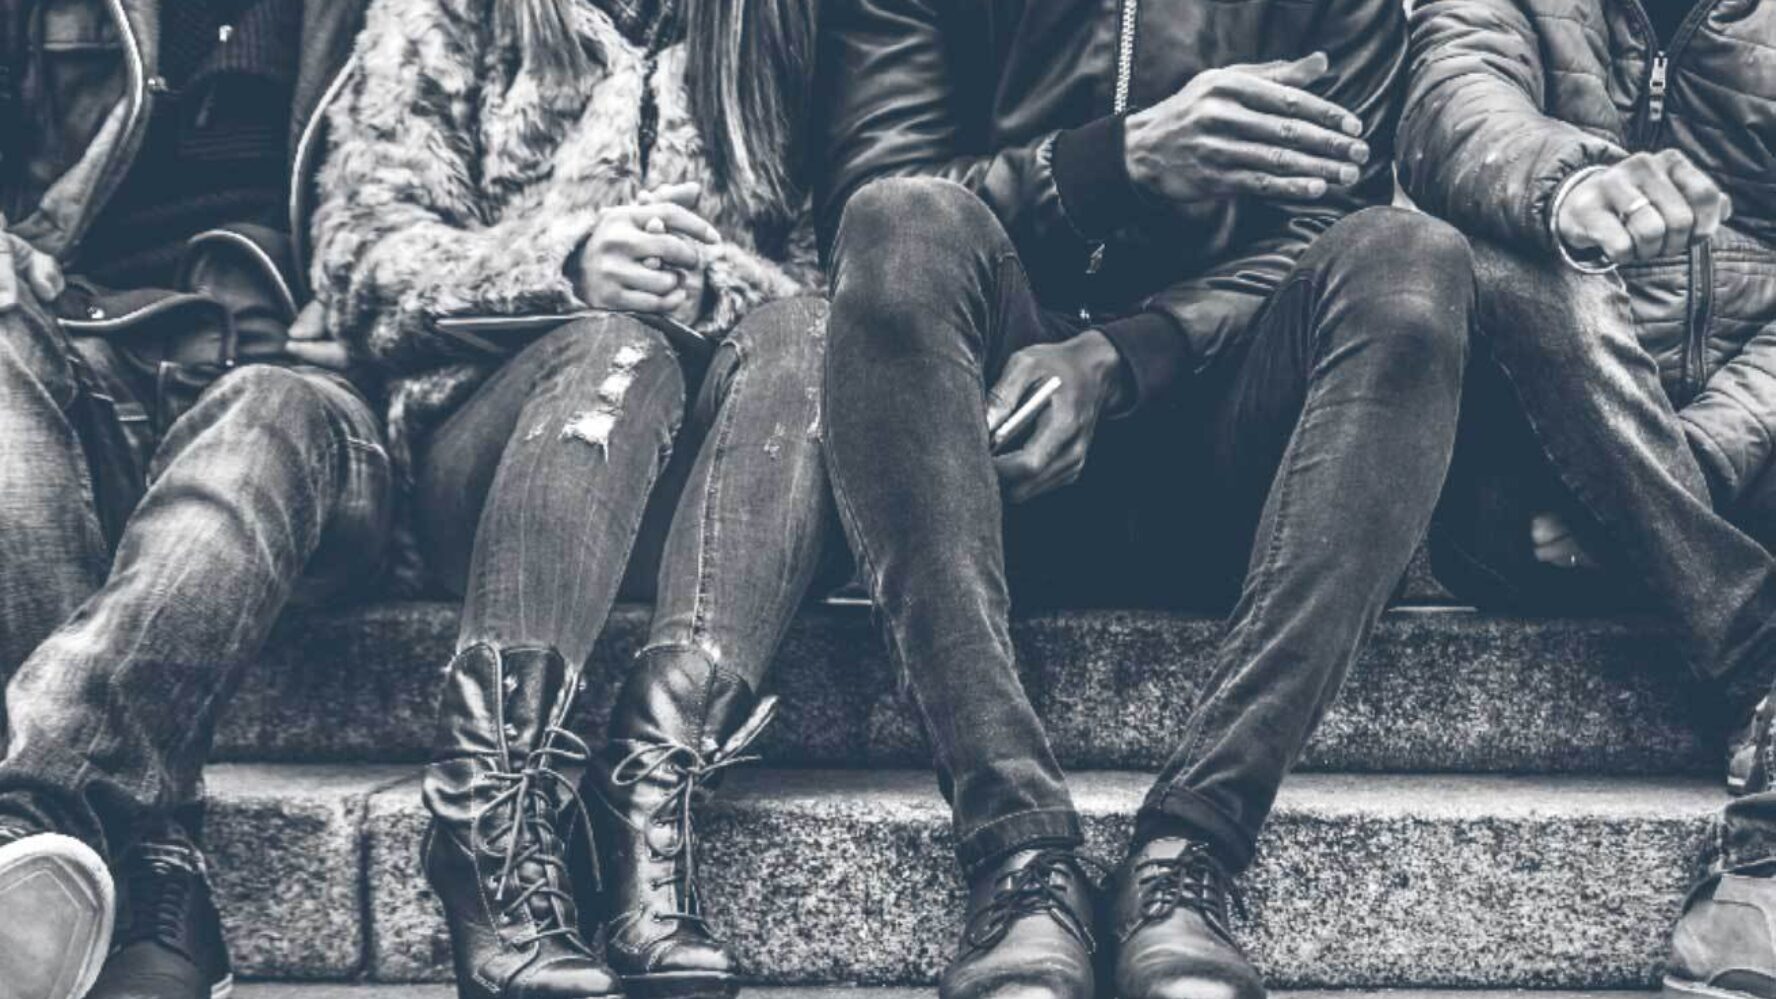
(749, 71)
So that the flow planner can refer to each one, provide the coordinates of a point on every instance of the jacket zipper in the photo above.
(1695, 362)
(1119, 101)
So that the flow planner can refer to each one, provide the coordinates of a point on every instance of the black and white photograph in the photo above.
(887, 499)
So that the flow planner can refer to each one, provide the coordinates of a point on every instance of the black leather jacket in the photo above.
(1022, 101)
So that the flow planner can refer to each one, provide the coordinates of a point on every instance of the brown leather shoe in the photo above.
(1028, 934)
(1169, 916)
(1724, 946)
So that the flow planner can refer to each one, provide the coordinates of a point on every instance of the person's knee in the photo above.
(265, 395)
(785, 341)
(1413, 277)
(1534, 305)
(616, 369)
(901, 237)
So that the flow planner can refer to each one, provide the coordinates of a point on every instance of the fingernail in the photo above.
(1315, 188)
(1352, 126)
(1360, 152)
(1348, 174)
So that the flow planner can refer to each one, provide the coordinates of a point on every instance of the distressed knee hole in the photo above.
(594, 426)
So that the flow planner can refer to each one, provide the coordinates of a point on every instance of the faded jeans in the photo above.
(122, 651)
(532, 496)
(1567, 414)
(1321, 444)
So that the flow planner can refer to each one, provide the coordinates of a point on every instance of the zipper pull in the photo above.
(1656, 88)
(1096, 263)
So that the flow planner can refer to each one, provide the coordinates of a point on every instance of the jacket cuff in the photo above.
(1155, 355)
(1091, 173)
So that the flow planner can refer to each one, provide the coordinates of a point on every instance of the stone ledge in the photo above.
(1364, 881)
(1437, 691)
(286, 851)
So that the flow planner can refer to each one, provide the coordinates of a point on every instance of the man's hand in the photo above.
(1555, 543)
(639, 254)
(22, 266)
(1246, 130)
(1090, 369)
(1650, 205)
(309, 342)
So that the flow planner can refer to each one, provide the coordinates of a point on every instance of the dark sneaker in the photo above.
(1749, 762)
(1028, 933)
(1724, 946)
(169, 938)
(58, 901)
(1168, 914)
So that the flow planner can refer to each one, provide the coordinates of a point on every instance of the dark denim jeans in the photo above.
(1323, 443)
(124, 656)
(532, 496)
(1567, 414)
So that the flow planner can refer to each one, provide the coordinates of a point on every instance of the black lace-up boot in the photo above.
(494, 853)
(1169, 912)
(1028, 934)
(169, 938)
(56, 911)
(677, 724)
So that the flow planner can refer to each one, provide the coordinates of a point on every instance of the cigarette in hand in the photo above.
(1021, 417)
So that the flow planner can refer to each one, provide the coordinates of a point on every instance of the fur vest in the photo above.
(460, 183)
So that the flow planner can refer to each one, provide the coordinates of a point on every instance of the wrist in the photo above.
(1104, 364)
(1581, 260)
(1135, 160)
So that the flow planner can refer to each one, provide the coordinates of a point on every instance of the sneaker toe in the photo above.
(64, 893)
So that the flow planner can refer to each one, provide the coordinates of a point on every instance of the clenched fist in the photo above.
(1650, 205)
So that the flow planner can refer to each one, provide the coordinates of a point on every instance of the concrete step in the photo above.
(1438, 690)
(1365, 881)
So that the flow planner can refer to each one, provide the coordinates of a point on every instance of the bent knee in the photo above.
(894, 221)
(785, 339)
(615, 363)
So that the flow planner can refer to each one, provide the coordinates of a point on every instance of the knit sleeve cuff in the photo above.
(1091, 174)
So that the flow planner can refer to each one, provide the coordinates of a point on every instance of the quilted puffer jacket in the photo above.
(1507, 98)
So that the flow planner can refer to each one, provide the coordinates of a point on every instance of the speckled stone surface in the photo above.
(285, 851)
(1437, 691)
(1363, 882)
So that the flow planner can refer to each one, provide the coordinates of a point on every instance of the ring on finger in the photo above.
(1638, 205)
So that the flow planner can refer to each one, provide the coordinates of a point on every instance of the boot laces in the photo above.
(1033, 889)
(524, 812)
(1192, 880)
(689, 771)
(159, 880)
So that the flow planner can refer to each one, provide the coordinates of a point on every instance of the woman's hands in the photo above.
(649, 256)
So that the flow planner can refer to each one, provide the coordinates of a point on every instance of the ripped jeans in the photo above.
(532, 496)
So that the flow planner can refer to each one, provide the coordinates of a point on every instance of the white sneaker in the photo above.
(55, 917)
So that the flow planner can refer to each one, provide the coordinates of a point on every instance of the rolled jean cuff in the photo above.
(1039, 827)
(1747, 835)
(1169, 807)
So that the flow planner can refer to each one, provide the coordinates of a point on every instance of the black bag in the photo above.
(232, 304)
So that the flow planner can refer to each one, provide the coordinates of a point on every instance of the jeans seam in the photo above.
(710, 529)
(1266, 568)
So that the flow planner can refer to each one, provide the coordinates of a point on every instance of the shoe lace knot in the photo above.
(1192, 880)
(518, 826)
(1037, 887)
(687, 773)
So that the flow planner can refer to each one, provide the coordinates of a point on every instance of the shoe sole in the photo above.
(680, 986)
(1678, 988)
(223, 989)
(63, 893)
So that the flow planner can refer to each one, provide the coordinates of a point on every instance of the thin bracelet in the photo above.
(1566, 187)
